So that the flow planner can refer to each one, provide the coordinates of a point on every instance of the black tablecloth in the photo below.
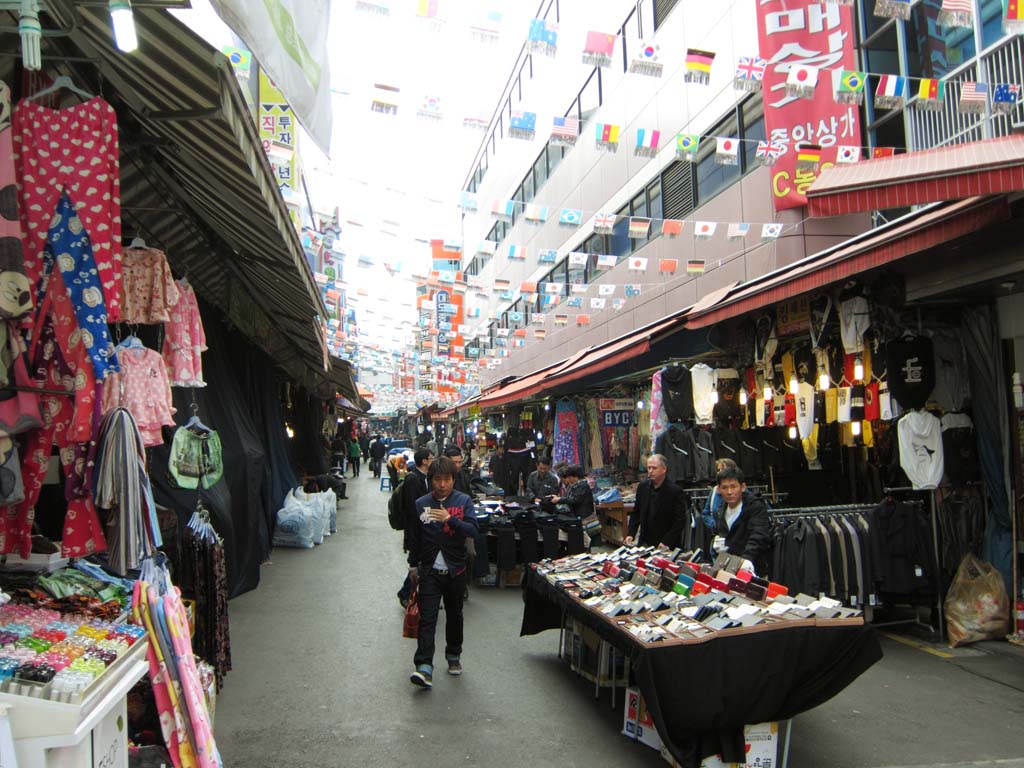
(700, 696)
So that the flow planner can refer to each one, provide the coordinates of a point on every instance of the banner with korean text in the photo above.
(813, 34)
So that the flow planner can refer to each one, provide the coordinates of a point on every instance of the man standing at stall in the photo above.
(438, 565)
(662, 509)
(542, 482)
(742, 524)
(413, 487)
(454, 453)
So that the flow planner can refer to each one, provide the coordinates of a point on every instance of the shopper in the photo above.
(437, 563)
(354, 454)
(413, 487)
(661, 511)
(742, 524)
(578, 499)
(714, 501)
(542, 482)
(364, 446)
(377, 452)
(454, 453)
(498, 467)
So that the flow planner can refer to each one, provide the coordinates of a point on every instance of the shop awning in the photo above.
(340, 382)
(907, 235)
(955, 172)
(196, 183)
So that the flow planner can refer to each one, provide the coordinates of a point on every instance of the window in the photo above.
(679, 194)
(662, 8)
(991, 22)
(555, 155)
(881, 52)
(934, 50)
(654, 199)
(540, 170)
(620, 243)
(712, 176)
(638, 207)
(590, 96)
(527, 190)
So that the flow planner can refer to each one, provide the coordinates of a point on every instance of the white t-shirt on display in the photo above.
(920, 436)
(854, 320)
(845, 404)
(703, 378)
(805, 410)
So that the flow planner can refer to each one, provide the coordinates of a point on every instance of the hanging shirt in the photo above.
(703, 381)
(887, 407)
(148, 290)
(854, 320)
(677, 393)
(872, 408)
(857, 402)
(759, 418)
(831, 405)
(845, 404)
(789, 409)
(910, 366)
(141, 387)
(952, 386)
(185, 340)
(805, 410)
(920, 439)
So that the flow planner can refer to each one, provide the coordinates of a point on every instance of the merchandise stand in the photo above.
(53, 734)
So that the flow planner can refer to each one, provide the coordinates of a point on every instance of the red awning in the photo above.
(955, 172)
(905, 236)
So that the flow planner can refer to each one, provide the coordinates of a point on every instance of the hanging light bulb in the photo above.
(858, 369)
(855, 428)
(794, 385)
(540, 436)
(823, 381)
(743, 396)
(31, 33)
(767, 391)
(792, 432)
(639, 405)
(547, 406)
(124, 25)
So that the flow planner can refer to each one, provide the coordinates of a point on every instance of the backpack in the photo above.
(396, 507)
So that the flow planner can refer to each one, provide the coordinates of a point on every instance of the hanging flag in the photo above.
(570, 217)
(668, 266)
(846, 154)
(536, 214)
(446, 276)
(522, 125)
(894, 9)
(515, 317)
(564, 131)
(475, 123)
(647, 141)
(539, 334)
(672, 227)
(646, 61)
(578, 259)
(738, 231)
(1013, 21)
(547, 256)
(808, 157)
(750, 74)
(687, 145)
(891, 92)
(575, 302)
(931, 94)
(469, 203)
(371, 8)
(956, 13)
(543, 37)
(769, 152)
(427, 9)
(582, 319)
(605, 289)
(698, 66)
(598, 303)
(727, 151)
(430, 108)
(579, 287)
(878, 152)
(503, 333)
(385, 99)
(598, 49)
(618, 304)
(517, 252)
(604, 222)
(695, 266)
(500, 284)
(527, 287)
(503, 209)
(973, 97)
(704, 230)
(539, 318)
(607, 137)
(639, 227)
(561, 319)
(1005, 97)
(771, 231)
(637, 264)
(848, 86)
(632, 290)
(554, 289)
(487, 27)
(607, 261)
(802, 81)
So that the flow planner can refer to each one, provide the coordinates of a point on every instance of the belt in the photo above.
(442, 571)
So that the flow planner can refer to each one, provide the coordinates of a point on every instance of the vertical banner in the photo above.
(814, 34)
(279, 137)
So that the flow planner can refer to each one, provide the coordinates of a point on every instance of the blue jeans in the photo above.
(433, 587)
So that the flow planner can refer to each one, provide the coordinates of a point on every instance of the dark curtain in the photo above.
(309, 449)
(991, 420)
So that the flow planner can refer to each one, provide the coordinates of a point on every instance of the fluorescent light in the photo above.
(823, 381)
(858, 369)
(855, 428)
(792, 433)
(743, 397)
(124, 25)
(794, 385)
(767, 391)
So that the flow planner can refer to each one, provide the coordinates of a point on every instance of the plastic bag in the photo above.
(411, 623)
(977, 607)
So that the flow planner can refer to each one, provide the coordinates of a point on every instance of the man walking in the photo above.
(437, 563)
(661, 511)
(413, 487)
(377, 452)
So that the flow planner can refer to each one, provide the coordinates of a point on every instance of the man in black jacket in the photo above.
(742, 524)
(378, 450)
(661, 511)
(413, 487)
(454, 453)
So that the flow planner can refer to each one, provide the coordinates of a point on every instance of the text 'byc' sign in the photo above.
(615, 412)
(799, 32)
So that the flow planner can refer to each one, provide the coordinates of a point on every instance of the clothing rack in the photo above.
(795, 513)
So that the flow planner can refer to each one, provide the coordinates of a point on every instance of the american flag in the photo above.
(974, 92)
(565, 127)
(751, 68)
(604, 221)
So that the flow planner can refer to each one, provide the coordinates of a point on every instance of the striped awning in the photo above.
(955, 172)
(910, 234)
(196, 183)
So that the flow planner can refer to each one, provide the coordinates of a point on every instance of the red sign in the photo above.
(813, 34)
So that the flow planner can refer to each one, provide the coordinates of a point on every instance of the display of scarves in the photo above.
(597, 452)
(567, 428)
(203, 559)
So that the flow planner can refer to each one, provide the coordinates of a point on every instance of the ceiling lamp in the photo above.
(124, 25)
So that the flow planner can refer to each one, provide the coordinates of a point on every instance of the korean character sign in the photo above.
(813, 34)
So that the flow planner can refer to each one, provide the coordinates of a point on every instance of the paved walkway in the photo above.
(321, 680)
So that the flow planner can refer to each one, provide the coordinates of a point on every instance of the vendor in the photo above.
(714, 501)
(578, 499)
(542, 482)
(662, 509)
(742, 523)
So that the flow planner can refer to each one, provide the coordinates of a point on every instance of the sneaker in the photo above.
(454, 667)
(424, 676)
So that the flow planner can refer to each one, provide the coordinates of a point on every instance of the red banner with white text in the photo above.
(799, 32)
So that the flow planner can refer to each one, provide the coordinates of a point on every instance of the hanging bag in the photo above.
(195, 459)
(19, 409)
(411, 623)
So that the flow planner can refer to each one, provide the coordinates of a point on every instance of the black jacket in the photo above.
(660, 514)
(378, 449)
(751, 534)
(462, 480)
(579, 499)
(538, 486)
(413, 487)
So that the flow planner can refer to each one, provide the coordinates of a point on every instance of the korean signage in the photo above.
(814, 34)
(616, 412)
(278, 133)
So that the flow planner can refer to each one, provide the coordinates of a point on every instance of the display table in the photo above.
(701, 695)
(614, 520)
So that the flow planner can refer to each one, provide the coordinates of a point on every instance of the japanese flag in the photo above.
(705, 230)
(638, 264)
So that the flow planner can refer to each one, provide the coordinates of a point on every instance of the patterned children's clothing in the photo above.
(143, 389)
(185, 340)
(148, 290)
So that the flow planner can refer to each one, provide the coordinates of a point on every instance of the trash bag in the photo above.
(977, 606)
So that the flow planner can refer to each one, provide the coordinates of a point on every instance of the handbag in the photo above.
(411, 622)
(196, 459)
(19, 409)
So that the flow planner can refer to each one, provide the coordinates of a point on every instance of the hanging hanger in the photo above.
(194, 423)
(131, 341)
(64, 81)
(138, 242)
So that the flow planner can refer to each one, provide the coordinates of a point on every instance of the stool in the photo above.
(385, 483)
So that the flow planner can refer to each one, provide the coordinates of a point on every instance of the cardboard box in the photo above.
(762, 742)
(511, 578)
(637, 723)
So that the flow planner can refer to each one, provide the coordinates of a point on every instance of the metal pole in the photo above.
(938, 569)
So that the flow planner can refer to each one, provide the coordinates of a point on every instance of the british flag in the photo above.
(604, 221)
(768, 152)
(751, 68)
